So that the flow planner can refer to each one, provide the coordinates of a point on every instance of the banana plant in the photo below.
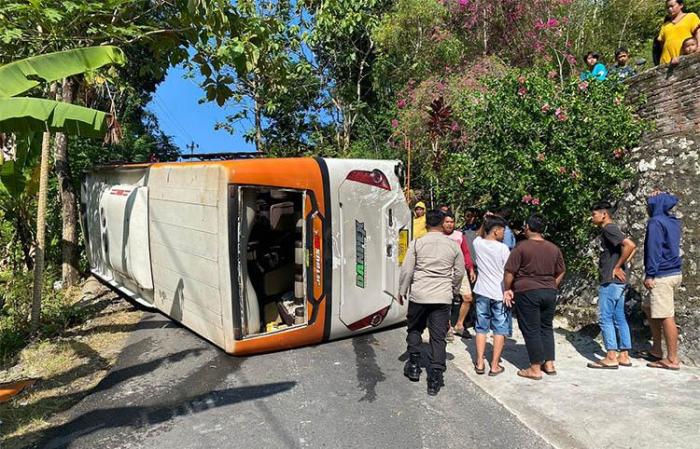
(28, 118)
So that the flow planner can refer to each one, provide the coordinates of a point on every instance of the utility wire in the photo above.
(172, 118)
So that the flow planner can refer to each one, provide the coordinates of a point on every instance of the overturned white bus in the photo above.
(255, 254)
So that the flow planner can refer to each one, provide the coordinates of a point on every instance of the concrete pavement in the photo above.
(636, 407)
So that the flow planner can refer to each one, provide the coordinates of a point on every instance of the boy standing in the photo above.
(616, 250)
(662, 266)
(491, 314)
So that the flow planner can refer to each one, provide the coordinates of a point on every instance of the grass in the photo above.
(68, 366)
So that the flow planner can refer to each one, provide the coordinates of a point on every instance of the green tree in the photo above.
(160, 32)
(341, 37)
(26, 117)
(263, 72)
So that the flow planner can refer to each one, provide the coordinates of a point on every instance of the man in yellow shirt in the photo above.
(678, 27)
(419, 229)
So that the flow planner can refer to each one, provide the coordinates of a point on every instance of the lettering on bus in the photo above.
(120, 192)
(317, 258)
(360, 237)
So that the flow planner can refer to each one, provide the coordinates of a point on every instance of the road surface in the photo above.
(171, 389)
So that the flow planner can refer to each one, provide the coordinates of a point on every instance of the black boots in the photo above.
(412, 367)
(435, 381)
(412, 371)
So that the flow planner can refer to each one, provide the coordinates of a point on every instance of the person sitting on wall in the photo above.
(596, 69)
(622, 69)
(690, 46)
(678, 27)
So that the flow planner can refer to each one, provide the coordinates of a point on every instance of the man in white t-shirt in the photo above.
(491, 313)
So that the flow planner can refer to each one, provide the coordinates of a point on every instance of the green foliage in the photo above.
(27, 117)
(20, 76)
(413, 41)
(59, 311)
(535, 146)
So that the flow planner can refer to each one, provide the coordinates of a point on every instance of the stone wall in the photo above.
(668, 157)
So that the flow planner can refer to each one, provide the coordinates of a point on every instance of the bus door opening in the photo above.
(271, 259)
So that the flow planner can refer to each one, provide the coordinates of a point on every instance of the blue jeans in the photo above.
(612, 320)
(492, 315)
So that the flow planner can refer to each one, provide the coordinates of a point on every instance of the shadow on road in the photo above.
(143, 416)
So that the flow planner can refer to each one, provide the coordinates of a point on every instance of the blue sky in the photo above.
(180, 115)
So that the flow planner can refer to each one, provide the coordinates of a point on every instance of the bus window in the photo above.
(271, 259)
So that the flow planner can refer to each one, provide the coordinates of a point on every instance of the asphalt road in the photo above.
(171, 389)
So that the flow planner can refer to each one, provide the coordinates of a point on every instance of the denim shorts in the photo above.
(493, 315)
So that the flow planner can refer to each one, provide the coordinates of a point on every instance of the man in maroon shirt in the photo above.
(462, 302)
(534, 270)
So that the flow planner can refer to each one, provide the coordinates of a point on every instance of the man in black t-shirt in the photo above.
(615, 251)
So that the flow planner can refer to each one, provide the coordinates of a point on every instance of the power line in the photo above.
(172, 118)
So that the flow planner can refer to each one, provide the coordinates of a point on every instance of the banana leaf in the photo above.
(30, 115)
(21, 175)
(20, 76)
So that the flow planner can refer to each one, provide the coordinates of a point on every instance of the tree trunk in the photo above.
(40, 233)
(69, 211)
(258, 126)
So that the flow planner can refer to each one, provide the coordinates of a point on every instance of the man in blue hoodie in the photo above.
(662, 266)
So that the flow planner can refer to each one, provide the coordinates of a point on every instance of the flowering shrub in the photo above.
(535, 146)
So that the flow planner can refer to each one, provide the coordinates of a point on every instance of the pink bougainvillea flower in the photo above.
(522, 79)
(571, 59)
(562, 170)
(618, 153)
(463, 3)
(394, 123)
(540, 157)
(401, 103)
(583, 85)
(454, 127)
(560, 114)
(551, 23)
(546, 107)
(535, 202)
(540, 25)
(552, 74)
(527, 199)
(575, 174)
(522, 91)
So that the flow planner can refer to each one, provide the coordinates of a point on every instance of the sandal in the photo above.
(601, 365)
(479, 370)
(627, 365)
(493, 373)
(520, 373)
(647, 355)
(662, 365)
(549, 373)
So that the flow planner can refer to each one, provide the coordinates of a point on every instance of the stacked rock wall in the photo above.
(669, 158)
